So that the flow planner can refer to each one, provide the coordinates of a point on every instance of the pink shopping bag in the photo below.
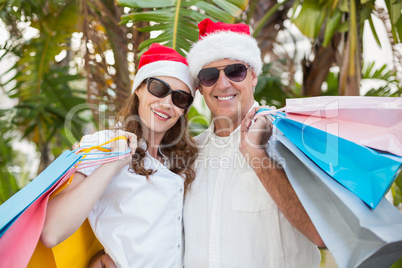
(375, 122)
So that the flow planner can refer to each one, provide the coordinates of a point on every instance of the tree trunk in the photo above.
(350, 73)
(118, 41)
(315, 72)
(266, 37)
(108, 83)
(44, 157)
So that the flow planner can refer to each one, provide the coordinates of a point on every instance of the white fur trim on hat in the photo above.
(224, 45)
(165, 68)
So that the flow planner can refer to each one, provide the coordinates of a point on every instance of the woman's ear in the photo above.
(140, 89)
(137, 92)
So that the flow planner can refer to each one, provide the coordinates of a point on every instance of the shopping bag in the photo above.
(12, 208)
(376, 137)
(75, 251)
(23, 231)
(24, 213)
(356, 235)
(375, 122)
(382, 111)
(365, 172)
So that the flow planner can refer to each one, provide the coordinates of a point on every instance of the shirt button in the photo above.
(181, 190)
(178, 246)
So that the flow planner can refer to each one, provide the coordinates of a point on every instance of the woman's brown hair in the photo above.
(176, 145)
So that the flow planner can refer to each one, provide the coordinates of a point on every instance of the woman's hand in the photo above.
(122, 145)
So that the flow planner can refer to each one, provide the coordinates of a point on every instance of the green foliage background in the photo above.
(63, 84)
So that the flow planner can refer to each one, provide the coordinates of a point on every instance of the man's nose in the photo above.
(223, 81)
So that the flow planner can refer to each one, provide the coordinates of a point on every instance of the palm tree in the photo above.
(46, 90)
(41, 84)
(108, 78)
(336, 28)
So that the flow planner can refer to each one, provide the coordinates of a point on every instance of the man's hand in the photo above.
(101, 260)
(255, 135)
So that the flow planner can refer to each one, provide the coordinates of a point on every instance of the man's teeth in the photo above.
(226, 98)
(161, 114)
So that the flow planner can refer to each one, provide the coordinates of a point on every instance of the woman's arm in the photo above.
(69, 209)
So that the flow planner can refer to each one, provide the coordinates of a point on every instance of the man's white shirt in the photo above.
(230, 220)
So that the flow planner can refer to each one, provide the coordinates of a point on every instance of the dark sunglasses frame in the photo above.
(215, 73)
(170, 90)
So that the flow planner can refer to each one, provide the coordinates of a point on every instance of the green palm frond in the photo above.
(390, 88)
(310, 18)
(177, 20)
(41, 85)
(8, 182)
(43, 116)
(38, 54)
(315, 15)
(198, 122)
(394, 9)
(270, 89)
(383, 73)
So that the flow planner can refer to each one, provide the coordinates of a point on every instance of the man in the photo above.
(239, 214)
(241, 210)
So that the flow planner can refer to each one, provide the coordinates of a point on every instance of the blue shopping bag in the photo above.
(364, 171)
(356, 235)
(19, 202)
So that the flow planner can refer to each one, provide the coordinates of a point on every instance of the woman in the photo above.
(134, 205)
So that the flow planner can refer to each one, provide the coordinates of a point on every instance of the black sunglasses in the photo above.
(161, 89)
(236, 72)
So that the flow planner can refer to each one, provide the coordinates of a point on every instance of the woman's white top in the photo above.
(139, 222)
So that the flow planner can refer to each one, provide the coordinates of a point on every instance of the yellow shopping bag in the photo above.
(75, 251)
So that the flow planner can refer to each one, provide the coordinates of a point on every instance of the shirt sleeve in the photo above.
(94, 139)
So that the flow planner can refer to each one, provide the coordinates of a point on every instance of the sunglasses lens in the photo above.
(208, 76)
(236, 72)
(158, 88)
(181, 99)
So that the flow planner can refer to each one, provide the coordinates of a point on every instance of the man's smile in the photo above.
(225, 98)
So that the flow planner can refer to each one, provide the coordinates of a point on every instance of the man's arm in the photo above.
(101, 260)
(253, 147)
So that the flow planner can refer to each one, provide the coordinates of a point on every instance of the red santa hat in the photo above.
(159, 60)
(218, 41)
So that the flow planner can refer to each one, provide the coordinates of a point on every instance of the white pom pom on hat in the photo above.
(160, 60)
(218, 41)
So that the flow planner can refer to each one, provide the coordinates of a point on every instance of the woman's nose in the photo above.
(166, 102)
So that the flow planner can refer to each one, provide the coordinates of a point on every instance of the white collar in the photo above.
(211, 129)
